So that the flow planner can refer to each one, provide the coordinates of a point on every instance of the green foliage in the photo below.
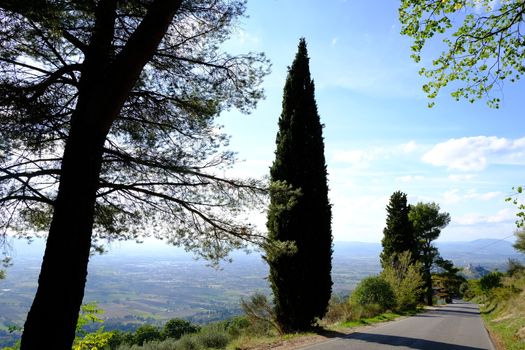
(168, 344)
(374, 290)
(485, 46)
(405, 278)
(519, 244)
(260, 314)
(299, 211)
(93, 341)
(447, 280)
(427, 223)
(490, 281)
(176, 328)
(213, 339)
(503, 311)
(89, 313)
(398, 235)
(517, 200)
(146, 333)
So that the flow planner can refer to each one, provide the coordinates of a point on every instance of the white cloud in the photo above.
(410, 178)
(455, 196)
(461, 177)
(363, 157)
(409, 147)
(504, 215)
(334, 41)
(475, 153)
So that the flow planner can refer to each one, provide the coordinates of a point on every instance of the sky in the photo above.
(380, 136)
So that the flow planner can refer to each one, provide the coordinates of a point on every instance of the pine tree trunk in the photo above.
(53, 316)
(103, 89)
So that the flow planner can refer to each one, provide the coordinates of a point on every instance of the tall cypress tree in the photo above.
(398, 235)
(301, 281)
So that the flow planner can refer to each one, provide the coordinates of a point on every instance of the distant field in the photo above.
(155, 282)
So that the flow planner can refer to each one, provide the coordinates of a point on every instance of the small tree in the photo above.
(176, 328)
(427, 222)
(405, 278)
(398, 235)
(146, 333)
(374, 290)
(490, 281)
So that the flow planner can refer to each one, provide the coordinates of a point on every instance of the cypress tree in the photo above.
(398, 235)
(299, 209)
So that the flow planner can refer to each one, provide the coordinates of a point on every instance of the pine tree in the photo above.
(108, 131)
(398, 235)
(299, 209)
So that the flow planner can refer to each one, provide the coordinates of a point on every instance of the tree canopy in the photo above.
(398, 235)
(164, 154)
(427, 221)
(484, 49)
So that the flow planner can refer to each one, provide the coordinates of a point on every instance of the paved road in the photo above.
(456, 326)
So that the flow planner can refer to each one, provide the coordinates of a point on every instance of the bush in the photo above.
(259, 312)
(176, 328)
(358, 312)
(146, 333)
(374, 290)
(405, 279)
(188, 342)
(339, 310)
(168, 344)
(213, 339)
(237, 326)
(490, 281)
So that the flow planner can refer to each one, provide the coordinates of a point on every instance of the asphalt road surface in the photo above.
(456, 326)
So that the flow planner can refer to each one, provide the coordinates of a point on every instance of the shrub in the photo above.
(188, 342)
(168, 344)
(490, 281)
(358, 312)
(213, 339)
(146, 333)
(339, 310)
(176, 328)
(405, 279)
(237, 326)
(374, 290)
(260, 314)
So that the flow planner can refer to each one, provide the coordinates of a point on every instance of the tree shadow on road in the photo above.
(412, 343)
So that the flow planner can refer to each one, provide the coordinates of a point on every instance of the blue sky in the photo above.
(380, 136)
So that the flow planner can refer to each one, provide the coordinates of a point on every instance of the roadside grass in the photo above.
(384, 317)
(504, 313)
(247, 341)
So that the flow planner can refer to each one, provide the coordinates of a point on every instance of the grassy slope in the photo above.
(504, 313)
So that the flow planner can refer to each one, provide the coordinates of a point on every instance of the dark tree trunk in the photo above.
(53, 316)
(104, 86)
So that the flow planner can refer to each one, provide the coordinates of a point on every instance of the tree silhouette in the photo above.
(107, 118)
(299, 208)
